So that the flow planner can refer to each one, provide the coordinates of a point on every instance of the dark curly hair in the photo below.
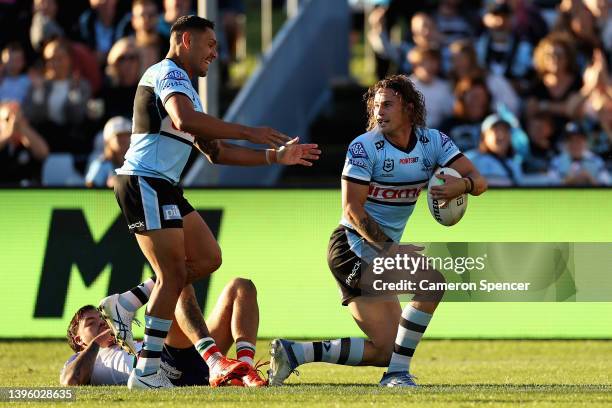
(73, 327)
(404, 87)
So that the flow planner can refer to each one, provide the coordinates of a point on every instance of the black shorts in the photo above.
(348, 270)
(184, 367)
(344, 264)
(150, 203)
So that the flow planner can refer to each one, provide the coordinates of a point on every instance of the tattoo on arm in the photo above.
(81, 368)
(370, 229)
(210, 148)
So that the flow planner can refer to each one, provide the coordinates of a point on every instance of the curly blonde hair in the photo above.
(564, 41)
(404, 87)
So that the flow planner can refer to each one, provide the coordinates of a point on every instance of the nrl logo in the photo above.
(388, 165)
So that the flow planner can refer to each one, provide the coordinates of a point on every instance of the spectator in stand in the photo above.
(424, 34)
(495, 158)
(45, 28)
(14, 82)
(592, 106)
(385, 51)
(123, 74)
(98, 27)
(576, 20)
(56, 105)
(437, 92)
(472, 105)
(558, 78)
(541, 131)
(600, 11)
(151, 45)
(528, 22)
(456, 21)
(601, 134)
(101, 171)
(22, 150)
(173, 9)
(577, 165)
(502, 51)
(464, 64)
(44, 25)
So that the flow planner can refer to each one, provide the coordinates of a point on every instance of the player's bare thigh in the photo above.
(165, 251)
(378, 318)
(202, 252)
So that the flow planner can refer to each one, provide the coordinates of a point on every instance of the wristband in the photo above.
(268, 156)
(471, 184)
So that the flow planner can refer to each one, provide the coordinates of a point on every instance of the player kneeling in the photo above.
(186, 357)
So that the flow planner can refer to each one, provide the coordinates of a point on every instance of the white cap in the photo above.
(117, 124)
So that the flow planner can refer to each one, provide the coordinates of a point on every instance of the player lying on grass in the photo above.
(384, 172)
(99, 360)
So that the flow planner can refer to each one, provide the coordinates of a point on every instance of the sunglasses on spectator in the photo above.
(127, 57)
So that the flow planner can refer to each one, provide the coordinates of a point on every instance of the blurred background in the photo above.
(68, 74)
(69, 70)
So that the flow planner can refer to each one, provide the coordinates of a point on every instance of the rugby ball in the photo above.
(454, 210)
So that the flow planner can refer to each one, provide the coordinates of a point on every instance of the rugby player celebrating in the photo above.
(398, 154)
(168, 120)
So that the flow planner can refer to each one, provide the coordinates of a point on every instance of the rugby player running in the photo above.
(168, 121)
(384, 172)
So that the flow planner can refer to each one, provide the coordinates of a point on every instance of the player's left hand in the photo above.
(294, 153)
(452, 187)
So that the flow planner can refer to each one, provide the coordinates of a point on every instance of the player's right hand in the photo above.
(102, 338)
(268, 136)
(408, 249)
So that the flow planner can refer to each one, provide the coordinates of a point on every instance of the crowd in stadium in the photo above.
(68, 75)
(539, 66)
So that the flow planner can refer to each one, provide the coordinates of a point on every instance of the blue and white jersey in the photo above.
(157, 148)
(395, 176)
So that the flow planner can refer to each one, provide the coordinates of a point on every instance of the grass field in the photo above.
(451, 373)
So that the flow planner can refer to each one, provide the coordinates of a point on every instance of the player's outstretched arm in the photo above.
(206, 127)
(220, 152)
(353, 199)
(472, 182)
(78, 371)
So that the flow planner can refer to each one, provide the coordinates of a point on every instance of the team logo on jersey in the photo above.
(424, 139)
(426, 164)
(404, 194)
(175, 75)
(409, 160)
(380, 144)
(388, 165)
(445, 139)
(358, 151)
